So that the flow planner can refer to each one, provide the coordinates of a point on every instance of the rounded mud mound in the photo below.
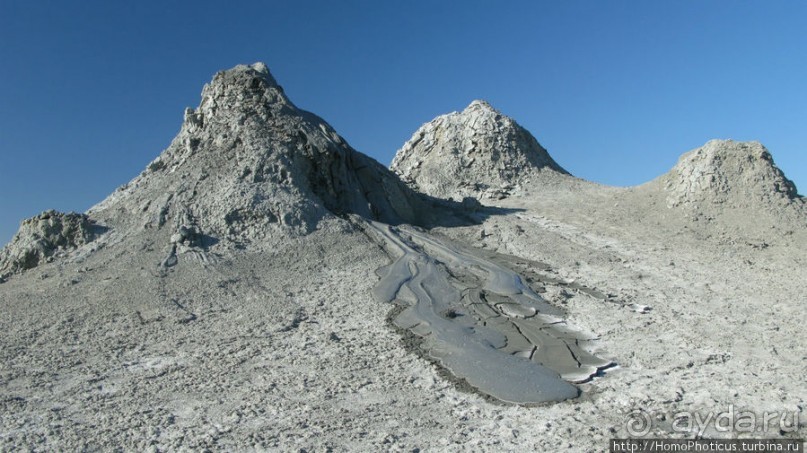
(477, 152)
(738, 174)
(43, 237)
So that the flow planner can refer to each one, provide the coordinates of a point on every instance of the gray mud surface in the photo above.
(481, 321)
(290, 349)
(228, 299)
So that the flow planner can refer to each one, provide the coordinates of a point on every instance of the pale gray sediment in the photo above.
(480, 321)
(223, 299)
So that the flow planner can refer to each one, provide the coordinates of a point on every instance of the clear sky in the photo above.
(91, 91)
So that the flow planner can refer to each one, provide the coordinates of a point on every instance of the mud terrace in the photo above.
(264, 286)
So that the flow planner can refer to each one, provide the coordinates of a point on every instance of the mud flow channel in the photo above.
(480, 320)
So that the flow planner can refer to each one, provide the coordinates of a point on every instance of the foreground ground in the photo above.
(289, 350)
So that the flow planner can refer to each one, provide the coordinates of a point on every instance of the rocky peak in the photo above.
(241, 79)
(480, 105)
(737, 174)
(242, 90)
(246, 168)
(478, 152)
(248, 164)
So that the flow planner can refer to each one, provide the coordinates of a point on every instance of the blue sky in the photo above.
(91, 91)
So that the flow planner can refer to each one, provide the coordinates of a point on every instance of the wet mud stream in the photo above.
(480, 321)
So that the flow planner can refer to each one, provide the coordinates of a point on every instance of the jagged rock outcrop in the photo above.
(43, 237)
(247, 164)
(736, 174)
(477, 152)
(734, 185)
